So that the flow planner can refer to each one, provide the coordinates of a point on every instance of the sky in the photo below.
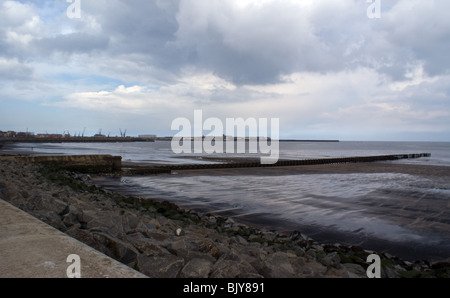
(327, 69)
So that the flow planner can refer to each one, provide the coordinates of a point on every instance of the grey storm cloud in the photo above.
(78, 42)
(325, 64)
(13, 70)
(255, 44)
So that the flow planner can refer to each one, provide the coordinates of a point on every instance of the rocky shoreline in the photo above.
(163, 241)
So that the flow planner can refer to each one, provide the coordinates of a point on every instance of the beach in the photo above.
(160, 239)
(394, 207)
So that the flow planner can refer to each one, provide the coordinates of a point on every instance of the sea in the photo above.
(402, 214)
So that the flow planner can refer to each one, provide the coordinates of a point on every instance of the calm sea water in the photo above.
(406, 215)
(160, 152)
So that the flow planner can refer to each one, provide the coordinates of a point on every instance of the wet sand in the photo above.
(420, 211)
(343, 168)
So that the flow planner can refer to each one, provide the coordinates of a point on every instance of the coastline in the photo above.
(161, 240)
(407, 209)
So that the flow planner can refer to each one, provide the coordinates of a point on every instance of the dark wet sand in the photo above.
(343, 168)
(410, 209)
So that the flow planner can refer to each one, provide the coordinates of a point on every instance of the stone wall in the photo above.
(81, 163)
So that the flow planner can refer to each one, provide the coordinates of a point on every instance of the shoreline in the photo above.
(321, 234)
(185, 242)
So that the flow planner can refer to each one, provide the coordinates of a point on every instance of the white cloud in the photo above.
(315, 64)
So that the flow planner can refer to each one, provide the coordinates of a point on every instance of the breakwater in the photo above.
(159, 169)
(109, 163)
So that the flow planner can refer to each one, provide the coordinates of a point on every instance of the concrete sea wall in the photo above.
(81, 163)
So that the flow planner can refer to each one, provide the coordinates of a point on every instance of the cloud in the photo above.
(72, 43)
(320, 66)
(12, 69)
(422, 29)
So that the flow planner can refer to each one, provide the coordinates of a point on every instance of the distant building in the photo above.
(49, 136)
(25, 134)
(10, 134)
(148, 138)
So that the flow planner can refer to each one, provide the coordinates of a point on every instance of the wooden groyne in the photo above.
(144, 170)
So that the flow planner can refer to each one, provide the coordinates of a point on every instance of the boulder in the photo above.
(145, 245)
(116, 248)
(224, 268)
(209, 247)
(355, 270)
(197, 268)
(331, 260)
(277, 265)
(160, 267)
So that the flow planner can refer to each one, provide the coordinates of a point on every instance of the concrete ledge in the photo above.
(29, 248)
(82, 163)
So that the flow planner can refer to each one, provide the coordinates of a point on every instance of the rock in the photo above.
(277, 265)
(209, 247)
(129, 221)
(388, 256)
(116, 248)
(108, 222)
(43, 203)
(229, 222)
(312, 269)
(146, 246)
(145, 226)
(197, 268)
(160, 267)
(388, 272)
(331, 260)
(355, 270)
(179, 232)
(356, 248)
(240, 240)
(51, 218)
(81, 235)
(180, 248)
(317, 248)
(224, 268)
(71, 218)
